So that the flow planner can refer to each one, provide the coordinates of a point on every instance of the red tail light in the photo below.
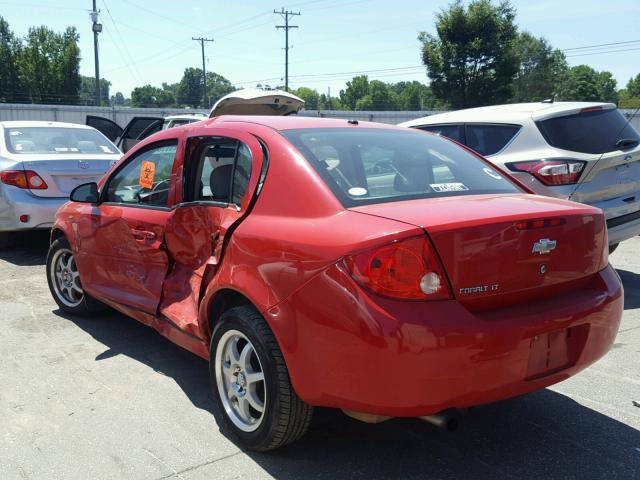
(408, 269)
(551, 172)
(23, 179)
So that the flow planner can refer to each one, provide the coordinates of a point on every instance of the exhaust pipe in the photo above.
(447, 420)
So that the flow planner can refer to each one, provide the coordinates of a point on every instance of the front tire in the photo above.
(64, 281)
(252, 391)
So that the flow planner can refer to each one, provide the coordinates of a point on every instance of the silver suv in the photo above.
(585, 152)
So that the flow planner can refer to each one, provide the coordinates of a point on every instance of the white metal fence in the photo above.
(122, 115)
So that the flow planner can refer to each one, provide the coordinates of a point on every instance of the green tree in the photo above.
(583, 83)
(150, 96)
(541, 69)
(633, 86)
(190, 88)
(217, 87)
(310, 96)
(379, 97)
(118, 99)
(356, 89)
(9, 50)
(48, 66)
(325, 103)
(472, 61)
(88, 91)
(416, 96)
(630, 96)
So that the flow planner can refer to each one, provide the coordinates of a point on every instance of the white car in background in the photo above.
(585, 152)
(248, 101)
(40, 163)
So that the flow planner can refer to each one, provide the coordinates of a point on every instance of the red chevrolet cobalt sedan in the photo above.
(384, 271)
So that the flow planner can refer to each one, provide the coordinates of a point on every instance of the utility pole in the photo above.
(97, 28)
(204, 69)
(287, 27)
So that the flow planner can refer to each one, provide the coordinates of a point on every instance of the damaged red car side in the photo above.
(314, 262)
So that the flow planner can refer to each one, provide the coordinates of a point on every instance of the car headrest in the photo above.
(217, 151)
(220, 183)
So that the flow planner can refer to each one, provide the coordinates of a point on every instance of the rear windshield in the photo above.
(589, 132)
(52, 140)
(364, 166)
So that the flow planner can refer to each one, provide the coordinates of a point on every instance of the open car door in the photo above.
(253, 101)
(222, 172)
(108, 128)
(137, 129)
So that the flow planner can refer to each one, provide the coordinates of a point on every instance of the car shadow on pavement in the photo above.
(27, 249)
(541, 435)
(631, 283)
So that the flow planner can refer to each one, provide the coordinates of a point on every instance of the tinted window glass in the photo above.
(489, 139)
(145, 178)
(53, 140)
(241, 174)
(454, 132)
(375, 165)
(589, 132)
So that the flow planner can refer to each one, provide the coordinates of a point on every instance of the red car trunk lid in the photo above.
(490, 260)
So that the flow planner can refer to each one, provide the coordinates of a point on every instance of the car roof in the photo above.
(513, 112)
(290, 122)
(187, 116)
(40, 123)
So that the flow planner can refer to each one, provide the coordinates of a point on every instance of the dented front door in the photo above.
(198, 228)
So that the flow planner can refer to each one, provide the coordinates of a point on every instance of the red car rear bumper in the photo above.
(348, 349)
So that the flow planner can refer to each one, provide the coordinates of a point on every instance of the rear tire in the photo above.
(612, 248)
(252, 390)
(64, 282)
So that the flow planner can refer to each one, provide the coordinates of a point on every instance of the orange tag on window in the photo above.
(147, 172)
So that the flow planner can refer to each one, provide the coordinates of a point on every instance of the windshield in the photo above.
(53, 140)
(365, 166)
(588, 132)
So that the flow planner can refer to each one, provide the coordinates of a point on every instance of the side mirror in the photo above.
(85, 193)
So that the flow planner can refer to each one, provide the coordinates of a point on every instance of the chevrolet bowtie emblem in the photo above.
(544, 245)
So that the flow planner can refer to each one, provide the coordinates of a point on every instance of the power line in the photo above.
(603, 52)
(204, 69)
(600, 45)
(286, 27)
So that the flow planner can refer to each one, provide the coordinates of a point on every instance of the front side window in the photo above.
(222, 171)
(57, 140)
(366, 166)
(145, 179)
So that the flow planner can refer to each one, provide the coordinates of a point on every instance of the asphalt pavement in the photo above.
(108, 398)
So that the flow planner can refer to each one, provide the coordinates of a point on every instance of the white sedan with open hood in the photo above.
(40, 163)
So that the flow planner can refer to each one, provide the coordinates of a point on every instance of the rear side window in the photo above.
(454, 132)
(588, 132)
(222, 169)
(364, 166)
(489, 139)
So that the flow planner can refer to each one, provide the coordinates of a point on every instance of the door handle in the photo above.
(143, 235)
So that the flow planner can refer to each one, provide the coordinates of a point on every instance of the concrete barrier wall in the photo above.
(122, 115)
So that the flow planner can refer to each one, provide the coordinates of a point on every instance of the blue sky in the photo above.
(150, 41)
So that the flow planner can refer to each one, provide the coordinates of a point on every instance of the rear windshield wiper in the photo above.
(627, 143)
